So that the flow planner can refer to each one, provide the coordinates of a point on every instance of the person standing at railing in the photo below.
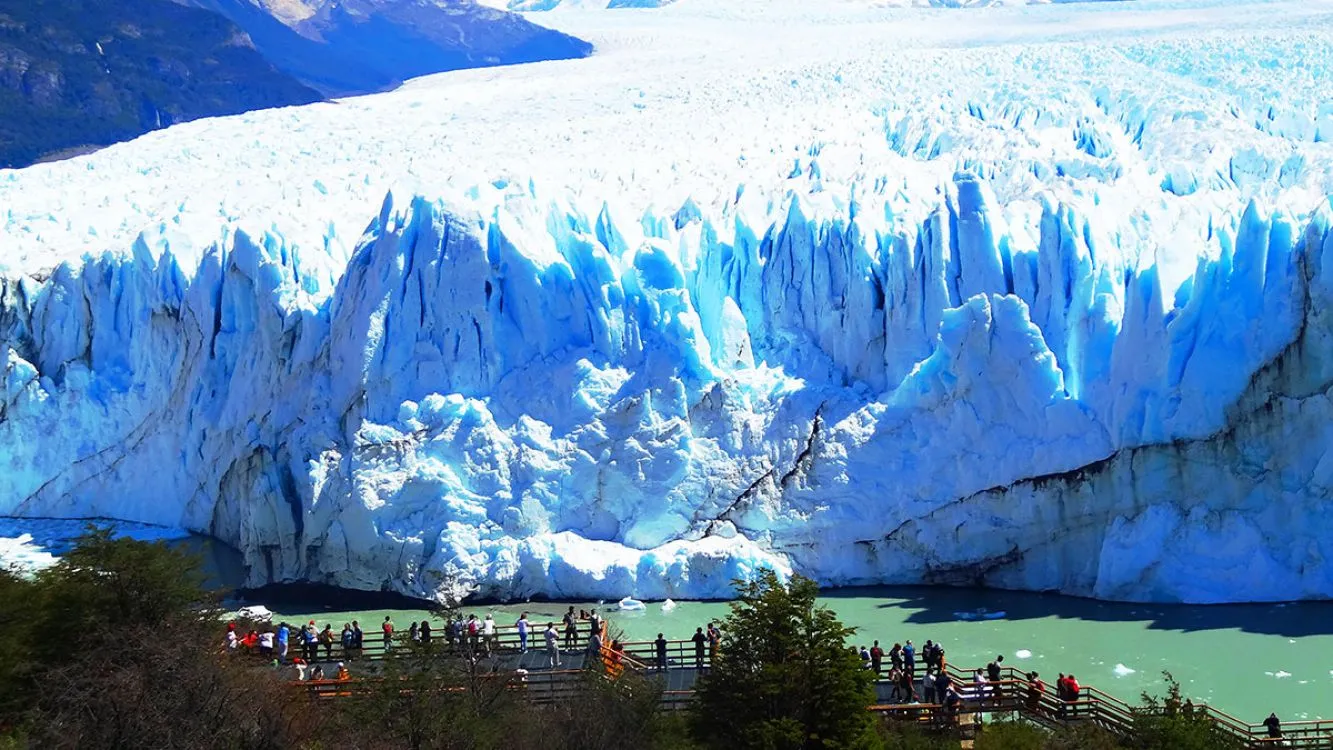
(284, 636)
(387, 628)
(661, 646)
(1036, 689)
(876, 659)
(424, 630)
(595, 625)
(1072, 691)
(714, 642)
(358, 639)
(488, 633)
(326, 640)
(993, 670)
(909, 660)
(699, 641)
(522, 625)
(943, 684)
(906, 688)
(896, 657)
(552, 645)
(309, 641)
(1274, 726)
(571, 630)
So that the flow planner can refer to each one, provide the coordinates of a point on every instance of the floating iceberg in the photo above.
(629, 604)
(914, 315)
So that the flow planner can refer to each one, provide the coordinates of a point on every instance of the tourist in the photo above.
(266, 640)
(413, 632)
(1189, 708)
(343, 674)
(453, 633)
(909, 659)
(233, 643)
(699, 640)
(488, 633)
(928, 687)
(714, 642)
(876, 659)
(594, 647)
(310, 641)
(473, 631)
(317, 673)
(424, 630)
(939, 657)
(896, 657)
(594, 623)
(865, 657)
(1073, 689)
(299, 667)
(345, 638)
(1274, 726)
(952, 703)
(928, 655)
(284, 636)
(552, 647)
(994, 670)
(358, 639)
(571, 630)
(661, 645)
(522, 625)
(906, 690)
(980, 690)
(943, 685)
(386, 627)
(326, 639)
(1036, 689)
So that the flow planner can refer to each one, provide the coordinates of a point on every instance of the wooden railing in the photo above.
(1010, 694)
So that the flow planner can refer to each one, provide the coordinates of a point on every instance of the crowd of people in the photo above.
(914, 676)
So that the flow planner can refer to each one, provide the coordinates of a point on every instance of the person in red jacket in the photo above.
(1072, 689)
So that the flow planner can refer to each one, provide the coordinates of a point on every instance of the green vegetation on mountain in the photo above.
(79, 74)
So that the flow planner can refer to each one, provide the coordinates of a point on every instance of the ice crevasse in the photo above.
(503, 394)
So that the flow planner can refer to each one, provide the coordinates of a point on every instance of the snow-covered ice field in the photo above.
(1027, 296)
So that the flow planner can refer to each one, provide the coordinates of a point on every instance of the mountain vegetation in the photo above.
(78, 74)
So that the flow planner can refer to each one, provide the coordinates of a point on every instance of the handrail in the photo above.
(1008, 694)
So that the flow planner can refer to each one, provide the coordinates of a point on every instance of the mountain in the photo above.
(872, 294)
(85, 73)
(356, 46)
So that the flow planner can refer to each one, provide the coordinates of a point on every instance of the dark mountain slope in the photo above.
(357, 46)
(82, 73)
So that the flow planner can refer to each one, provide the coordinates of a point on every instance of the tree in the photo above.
(119, 645)
(784, 678)
(1161, 723)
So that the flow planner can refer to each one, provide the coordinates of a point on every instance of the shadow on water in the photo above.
(933, 605)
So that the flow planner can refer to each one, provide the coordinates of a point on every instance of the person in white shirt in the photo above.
(266, 643)
(488, 633)
(552, 645)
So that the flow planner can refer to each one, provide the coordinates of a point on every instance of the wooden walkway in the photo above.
(531, 672)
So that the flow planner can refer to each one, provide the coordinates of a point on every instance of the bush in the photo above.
(784, 677)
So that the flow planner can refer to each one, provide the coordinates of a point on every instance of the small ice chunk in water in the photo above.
(1281, 674)
(1121, 670)
(668, 605)
(1023, 653)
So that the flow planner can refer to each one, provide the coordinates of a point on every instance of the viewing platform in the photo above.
(1011, 696)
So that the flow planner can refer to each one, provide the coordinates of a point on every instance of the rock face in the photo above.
(82, 73)
(344, 47)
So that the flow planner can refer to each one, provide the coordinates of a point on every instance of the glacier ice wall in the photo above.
(514, 397)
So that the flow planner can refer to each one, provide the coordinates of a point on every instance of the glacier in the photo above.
(1027, 297)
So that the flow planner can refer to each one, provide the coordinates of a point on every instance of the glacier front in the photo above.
(896, 296)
